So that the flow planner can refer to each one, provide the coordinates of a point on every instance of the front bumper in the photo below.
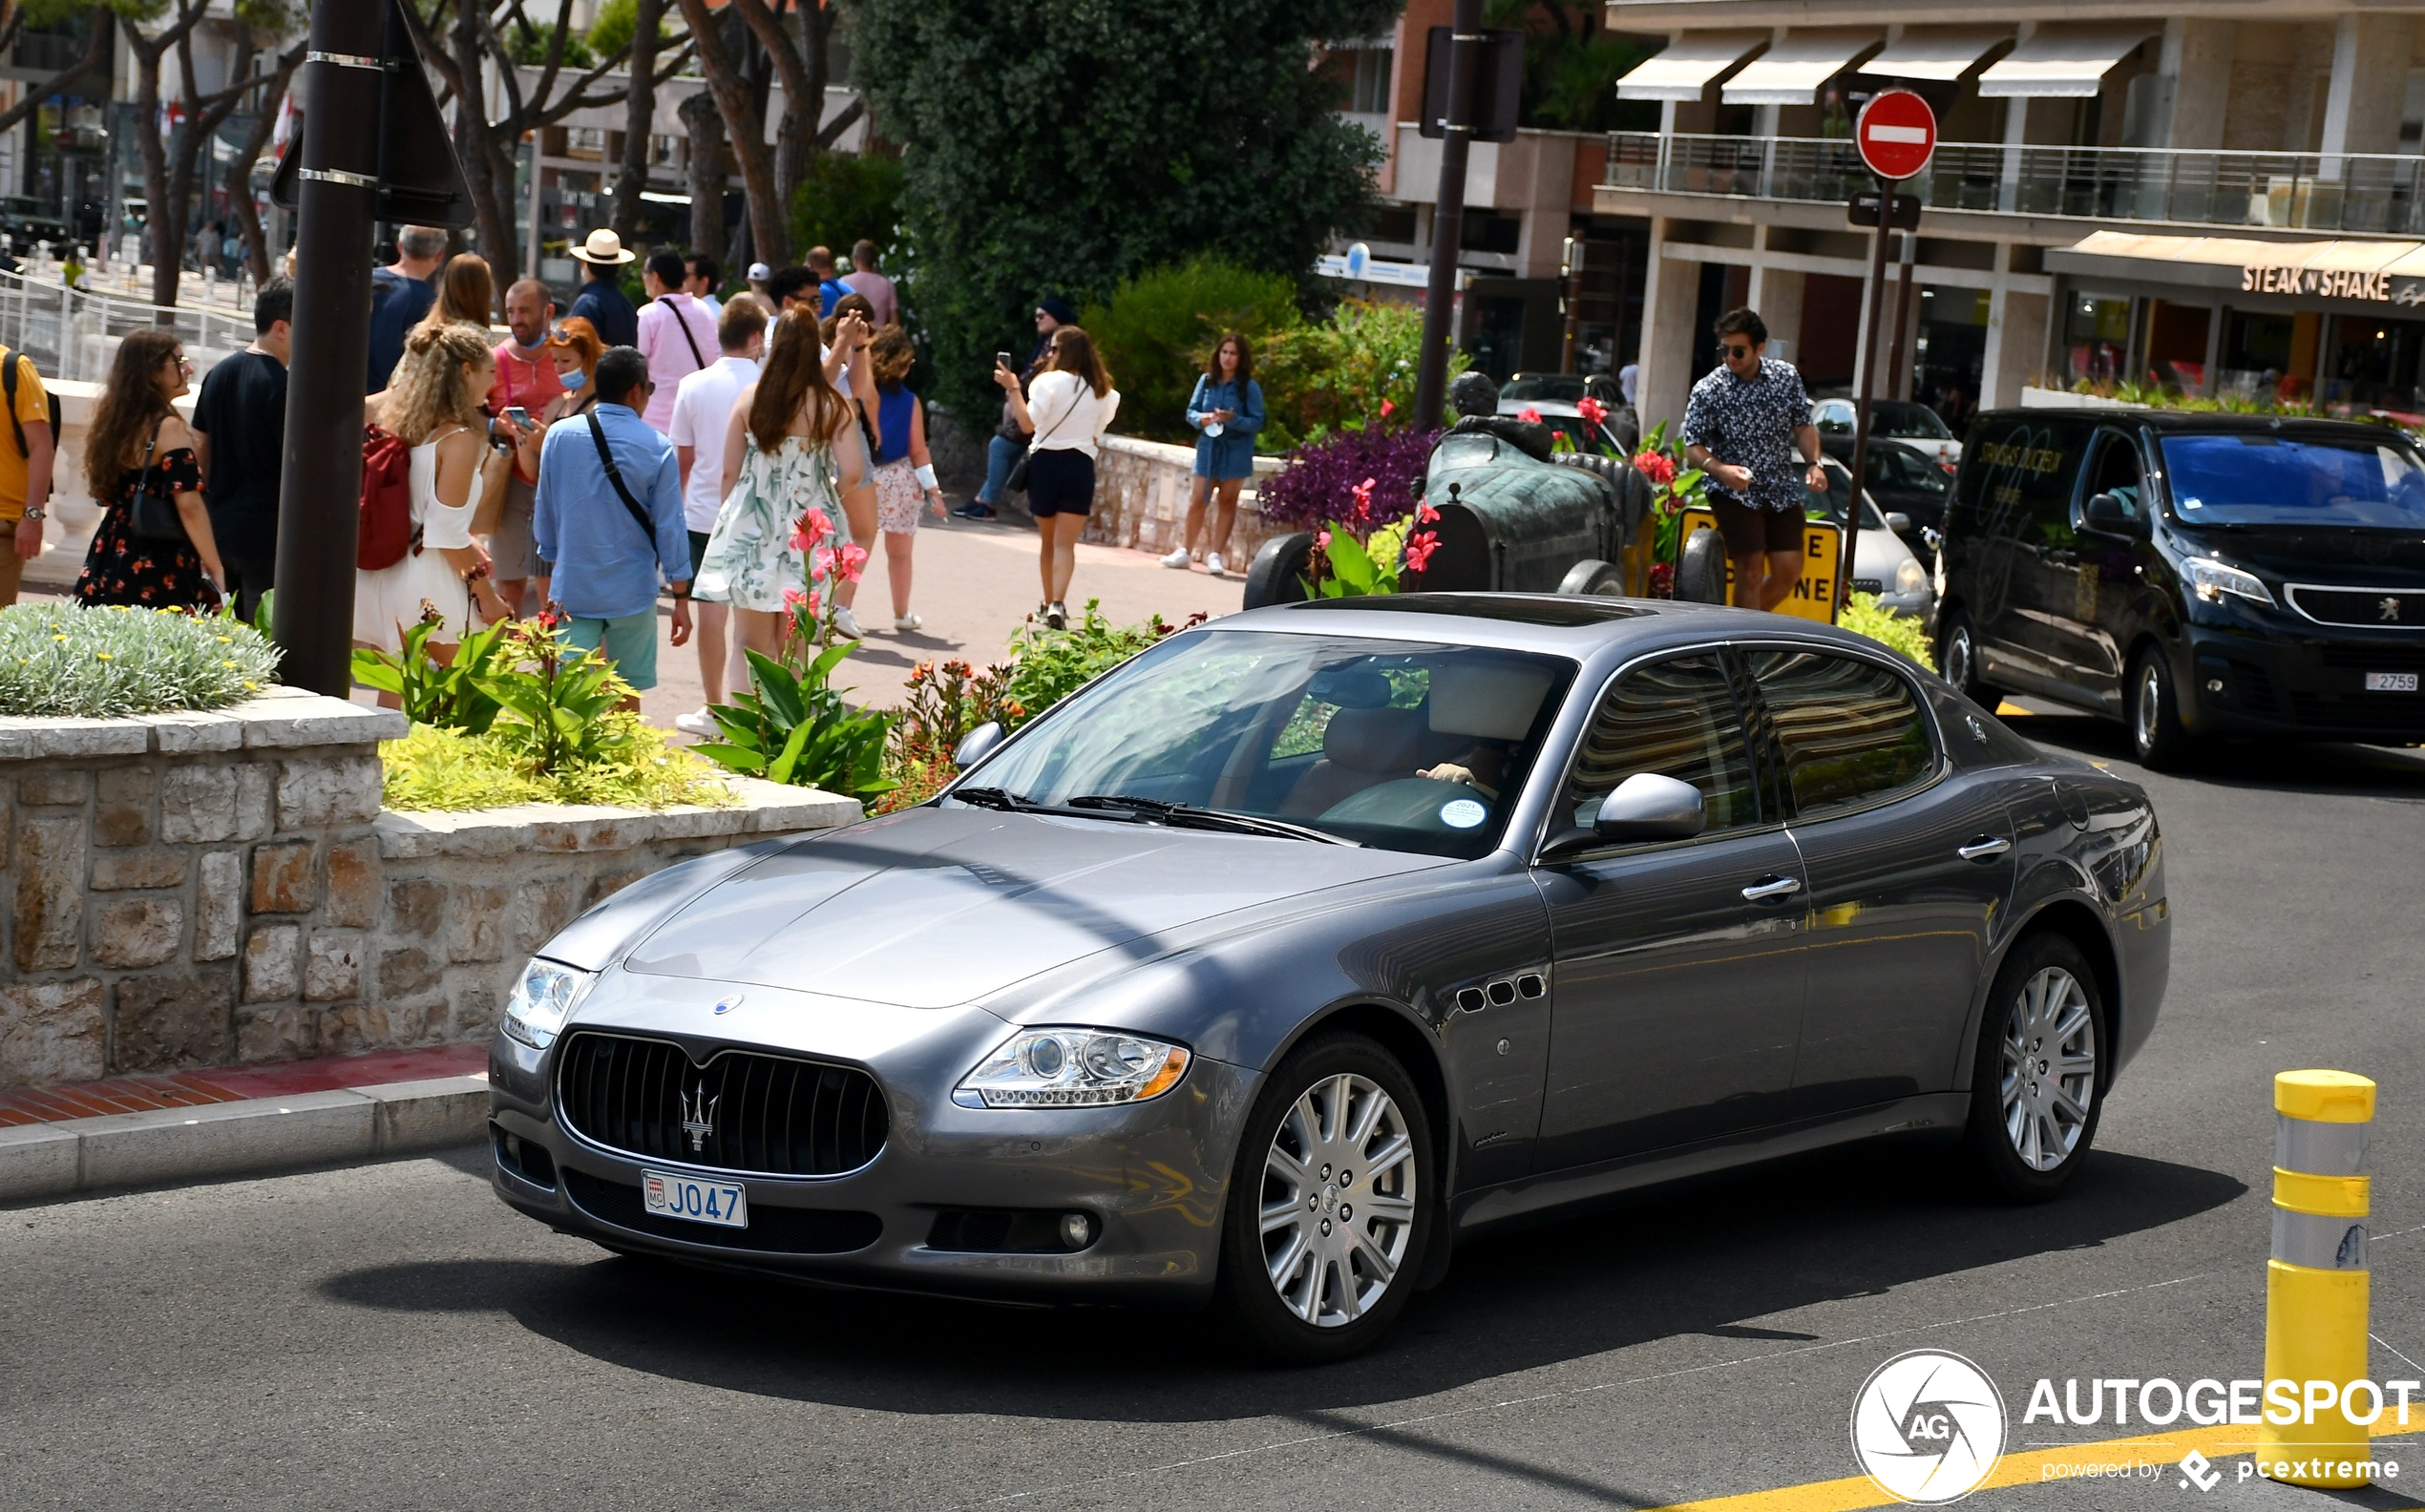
(1150, 1177)
(2309, 686)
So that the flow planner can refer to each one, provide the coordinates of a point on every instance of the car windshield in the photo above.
(1555, 387)
(2271, 478)
(1406, 745)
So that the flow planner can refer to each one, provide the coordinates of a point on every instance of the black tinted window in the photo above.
(2017, 482)
(1849, 731)
(1676, 719)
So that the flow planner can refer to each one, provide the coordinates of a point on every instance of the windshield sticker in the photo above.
(1463, 814)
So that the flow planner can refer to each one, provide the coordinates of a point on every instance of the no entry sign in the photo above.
(1896, 134)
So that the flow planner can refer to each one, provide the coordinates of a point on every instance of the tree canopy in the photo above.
(1061, 146)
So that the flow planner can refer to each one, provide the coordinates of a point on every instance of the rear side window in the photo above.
(2016, 481)
(1676, 719)
(1850, 732)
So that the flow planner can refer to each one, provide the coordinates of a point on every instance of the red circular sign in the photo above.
(1896, 134)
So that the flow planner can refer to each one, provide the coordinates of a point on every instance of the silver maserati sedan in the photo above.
(1272, 963)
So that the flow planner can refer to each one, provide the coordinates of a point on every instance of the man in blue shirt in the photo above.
(603, 561)
(400, 295)
(601, 300)
(829, 289)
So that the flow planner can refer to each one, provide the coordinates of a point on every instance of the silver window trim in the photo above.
(2290, 592)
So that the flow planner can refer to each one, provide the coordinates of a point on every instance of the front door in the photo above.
(2020, 488)
(1679, 965)
(1909, 864)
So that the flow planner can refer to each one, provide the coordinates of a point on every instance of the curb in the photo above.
(260, 1137)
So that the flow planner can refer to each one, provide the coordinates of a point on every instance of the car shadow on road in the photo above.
(1695, 1262)
(2328, 768)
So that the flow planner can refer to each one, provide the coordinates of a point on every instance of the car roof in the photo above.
(1580, 626)
(1547, 406)
(2191, 421)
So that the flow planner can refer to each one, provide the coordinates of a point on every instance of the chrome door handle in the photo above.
(1984, 847)
(1773, 888)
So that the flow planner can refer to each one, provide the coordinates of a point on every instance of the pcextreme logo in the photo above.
(1927, 1427)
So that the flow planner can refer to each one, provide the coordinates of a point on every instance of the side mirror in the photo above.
(1649, 806)
(2106, 513)
(1898, 522)
(977, 745)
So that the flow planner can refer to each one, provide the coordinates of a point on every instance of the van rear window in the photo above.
(2278, 479)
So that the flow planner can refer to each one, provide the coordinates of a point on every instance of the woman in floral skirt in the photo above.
(779, 451)
(137, 432)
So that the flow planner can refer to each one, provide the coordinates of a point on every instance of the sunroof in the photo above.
(1559, 611)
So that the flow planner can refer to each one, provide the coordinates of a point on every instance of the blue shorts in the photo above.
(630, 642)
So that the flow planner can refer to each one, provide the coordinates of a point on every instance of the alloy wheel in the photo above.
(2148, 709)
(1337, 1201)
(2049, 1076)
(1957, 657)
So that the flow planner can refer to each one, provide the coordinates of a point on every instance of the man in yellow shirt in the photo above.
(26, 455)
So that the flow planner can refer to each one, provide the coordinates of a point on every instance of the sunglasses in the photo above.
(1729, 350)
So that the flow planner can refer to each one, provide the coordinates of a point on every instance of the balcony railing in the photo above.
(2362, 192)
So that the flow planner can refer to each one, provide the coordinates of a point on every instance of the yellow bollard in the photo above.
(2315, 1301)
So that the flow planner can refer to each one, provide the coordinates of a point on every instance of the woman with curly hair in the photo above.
(904, 473)
(136, 437)
(433, 404)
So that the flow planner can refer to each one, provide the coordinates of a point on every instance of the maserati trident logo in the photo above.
(2389, 609)
(698, 1116)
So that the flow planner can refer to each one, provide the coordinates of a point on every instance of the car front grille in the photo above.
(1868, 585)
(2256, 688)
(2396, 714)
(2375, 659)
(2382, 608)
(762, 1114)
(772, 1230)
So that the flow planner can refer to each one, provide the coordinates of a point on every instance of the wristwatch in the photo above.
(35, 512)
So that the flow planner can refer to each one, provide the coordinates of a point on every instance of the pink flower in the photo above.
(1388, 409)
(853, 560)
(1529, 413)
(821, 562)
(794, 597)
(1419, 549)
(1363, 494)
(1590, 409)
(815, 525)
(1425, 514)
(1322, 540)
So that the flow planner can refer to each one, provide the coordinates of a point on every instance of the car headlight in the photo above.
(542, 1000)
(1072, 1068)
(2210, 579)
(1910, 577)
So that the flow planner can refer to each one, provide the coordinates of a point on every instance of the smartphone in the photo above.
(1002, 359)
(519, 416)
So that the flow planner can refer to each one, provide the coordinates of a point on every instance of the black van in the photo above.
(2192, 575)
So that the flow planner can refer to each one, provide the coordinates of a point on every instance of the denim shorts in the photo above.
(630, 641)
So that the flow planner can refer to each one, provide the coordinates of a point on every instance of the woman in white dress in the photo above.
(780, 452)
(433, 404)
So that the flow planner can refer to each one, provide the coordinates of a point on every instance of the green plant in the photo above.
(452, 771)
(530, 44)
(1352, 373)
(847, 195)
(62, 659)
(943, 702)
(1049, 664)
(554, 712)
(794, 728)
(447, 694)
(1065, 145)
(1156, 333)
(1896, 632)
(616, 23)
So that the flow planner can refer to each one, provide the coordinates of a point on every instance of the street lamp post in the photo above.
(1449, 214)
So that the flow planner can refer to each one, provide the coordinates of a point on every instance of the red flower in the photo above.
(813, 527)
(1419, 549)
(1322, 540)
(1662, 579)
(1425, 514)
(1388, 409)
(1590, 409)
(1529, 414)
(1655, 466)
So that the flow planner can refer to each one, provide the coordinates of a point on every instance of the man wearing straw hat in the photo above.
(602, 302)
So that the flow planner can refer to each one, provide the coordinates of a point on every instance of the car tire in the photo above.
(2154, 710)
(2042, 1049)
(1276, 575)
(1309, 1272)
(1700, 568)
(1957, 659)
(1592, 578)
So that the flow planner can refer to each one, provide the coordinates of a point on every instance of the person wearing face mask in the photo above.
(525, 382)
(573, 351)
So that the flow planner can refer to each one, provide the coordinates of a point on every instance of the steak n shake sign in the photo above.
(2257, 278)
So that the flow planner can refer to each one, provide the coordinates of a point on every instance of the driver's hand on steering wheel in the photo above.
(1450, 771)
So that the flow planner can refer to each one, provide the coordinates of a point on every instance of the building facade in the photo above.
(2219, 195)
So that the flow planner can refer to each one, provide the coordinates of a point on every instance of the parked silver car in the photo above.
(1270, 964)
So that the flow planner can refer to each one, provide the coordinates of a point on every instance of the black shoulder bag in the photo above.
(152, 516)
(1016, 482)
(687, 340)
(615, 476)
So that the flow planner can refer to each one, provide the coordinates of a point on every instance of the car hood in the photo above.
(2355, 557)
(940, 906)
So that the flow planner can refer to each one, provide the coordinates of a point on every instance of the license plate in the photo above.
(2390, 682)
(719, 1203)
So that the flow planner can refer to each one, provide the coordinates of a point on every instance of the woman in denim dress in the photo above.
(1226, 411)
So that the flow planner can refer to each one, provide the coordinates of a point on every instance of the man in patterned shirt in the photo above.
(1747, 425)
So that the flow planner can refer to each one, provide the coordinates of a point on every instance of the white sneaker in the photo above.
(847, 624)
(1179, 558)
(1213, 563)
(905, 623)
(700, 723)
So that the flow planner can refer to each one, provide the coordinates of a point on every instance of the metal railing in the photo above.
(72, 335)
(2363, 192)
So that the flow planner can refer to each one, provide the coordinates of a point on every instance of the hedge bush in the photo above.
(1156, 333)
(65, 660)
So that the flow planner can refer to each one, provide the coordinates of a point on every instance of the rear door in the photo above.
(1679, 965)
(2016, 510)
(1908, 860)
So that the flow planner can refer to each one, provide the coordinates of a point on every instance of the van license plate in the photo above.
(2390, 682)
(708, 1202)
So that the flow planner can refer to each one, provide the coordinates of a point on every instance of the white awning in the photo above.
(1794, 70)
(1684, 68)
(1946, 54)
(2062, 61)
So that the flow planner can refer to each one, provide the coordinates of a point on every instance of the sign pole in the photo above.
(318, 493)
(1448, 214)
(1896, 136)
(1873, 304)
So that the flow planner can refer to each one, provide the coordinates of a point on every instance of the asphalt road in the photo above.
(391, 1336)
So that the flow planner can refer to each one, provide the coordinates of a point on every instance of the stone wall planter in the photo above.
(1141, 499)
(207, 888)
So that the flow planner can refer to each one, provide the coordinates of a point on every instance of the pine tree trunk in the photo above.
(640, 119)
(746, 127)
(167, 237)
(705, 124)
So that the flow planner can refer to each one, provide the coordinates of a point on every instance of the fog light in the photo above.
(2214, 685)
(1077, 1230)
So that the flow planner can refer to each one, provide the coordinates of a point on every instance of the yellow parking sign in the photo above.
(1814, 595)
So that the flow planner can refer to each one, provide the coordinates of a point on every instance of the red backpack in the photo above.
(384, 531)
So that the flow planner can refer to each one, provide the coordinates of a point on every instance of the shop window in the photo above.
(1492, 233)
(2256, 356)
(2099, 336)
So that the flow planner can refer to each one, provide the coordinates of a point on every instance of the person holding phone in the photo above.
(1009, 439)
(1226, 411)
(525, 386)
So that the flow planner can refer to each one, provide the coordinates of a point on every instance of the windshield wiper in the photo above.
(1011, 803)
(1191, 815)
